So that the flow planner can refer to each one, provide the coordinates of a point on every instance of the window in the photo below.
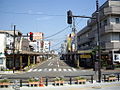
(105, 22)
(117, 20)
(115, 37)
(100, 25)
(1, 61)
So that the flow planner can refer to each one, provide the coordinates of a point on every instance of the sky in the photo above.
(47, 16)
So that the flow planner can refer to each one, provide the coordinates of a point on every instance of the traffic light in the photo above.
(31, 36)
(69, 17)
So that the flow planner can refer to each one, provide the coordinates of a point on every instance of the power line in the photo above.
(56, 39)
(57, 44)
(57, 49)
(57, 32)
(30, 13)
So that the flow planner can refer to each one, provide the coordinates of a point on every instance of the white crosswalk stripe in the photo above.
(64, 69)
(53, 69)
(30, 70)
(69, 70)
(35, 70)
(50, 69)
(40, 70)
(59, 69)
(74, 69)
(45, 69)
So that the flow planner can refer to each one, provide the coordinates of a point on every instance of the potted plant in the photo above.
(80, 80)
(111, 78)
(33, 82)
(4, 83)
(59, 81)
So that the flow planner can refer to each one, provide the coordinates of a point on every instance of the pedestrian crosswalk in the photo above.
(53, 69)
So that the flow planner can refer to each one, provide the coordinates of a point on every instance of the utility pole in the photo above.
(98, 41)
(75, 41)
(14, 49)
(70, 17)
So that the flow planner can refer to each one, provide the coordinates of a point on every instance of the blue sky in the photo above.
(47, 16)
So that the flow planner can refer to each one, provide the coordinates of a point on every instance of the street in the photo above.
(52, 68)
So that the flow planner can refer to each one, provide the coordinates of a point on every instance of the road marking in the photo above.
(69, 70)
(49, 64)
(50, 69)
(30, 70)
(74, 69)
(40, 70)
(34, 70)
(45, 69)
(58, 64)
(64, 70)
(55, 69)
(59, 69)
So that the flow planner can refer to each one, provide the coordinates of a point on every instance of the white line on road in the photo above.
(74, 69)
(40, 70)
(49, 64)
(45, 69)
(69, 70)
(55, 69)
(30, 70)
(50, 69)
(59, 69)
(64, 70)
(34, 70)
(58, 64)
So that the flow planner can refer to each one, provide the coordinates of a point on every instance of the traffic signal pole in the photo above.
(98, 41)
(69, 21)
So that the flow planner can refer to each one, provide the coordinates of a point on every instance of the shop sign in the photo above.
(85, 56)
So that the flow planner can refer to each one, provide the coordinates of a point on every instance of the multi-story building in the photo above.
(37, 42)
(46, 46)
(109, 25)
(6, 45)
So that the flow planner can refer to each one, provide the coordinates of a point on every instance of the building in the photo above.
(46, 46)
(38, 36)
(37, 43)
(109, 15)
(6, 45)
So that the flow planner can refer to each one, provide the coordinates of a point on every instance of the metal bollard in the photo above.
(70, 80)
(20, 82)
(46, 81)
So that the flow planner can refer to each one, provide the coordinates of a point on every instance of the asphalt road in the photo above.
(54, 68)
(51, 68)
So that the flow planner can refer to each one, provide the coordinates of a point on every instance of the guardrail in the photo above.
(66, 80)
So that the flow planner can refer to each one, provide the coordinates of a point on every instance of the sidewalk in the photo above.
(87, 86)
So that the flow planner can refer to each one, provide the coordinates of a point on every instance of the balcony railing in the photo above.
(112, 10)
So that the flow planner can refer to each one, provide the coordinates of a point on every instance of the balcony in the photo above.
(82, 41)
(112, 10)
(112, 45)
(112, 28)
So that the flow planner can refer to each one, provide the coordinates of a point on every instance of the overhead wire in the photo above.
(57, 33)
(57, 44)
(30, 13)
